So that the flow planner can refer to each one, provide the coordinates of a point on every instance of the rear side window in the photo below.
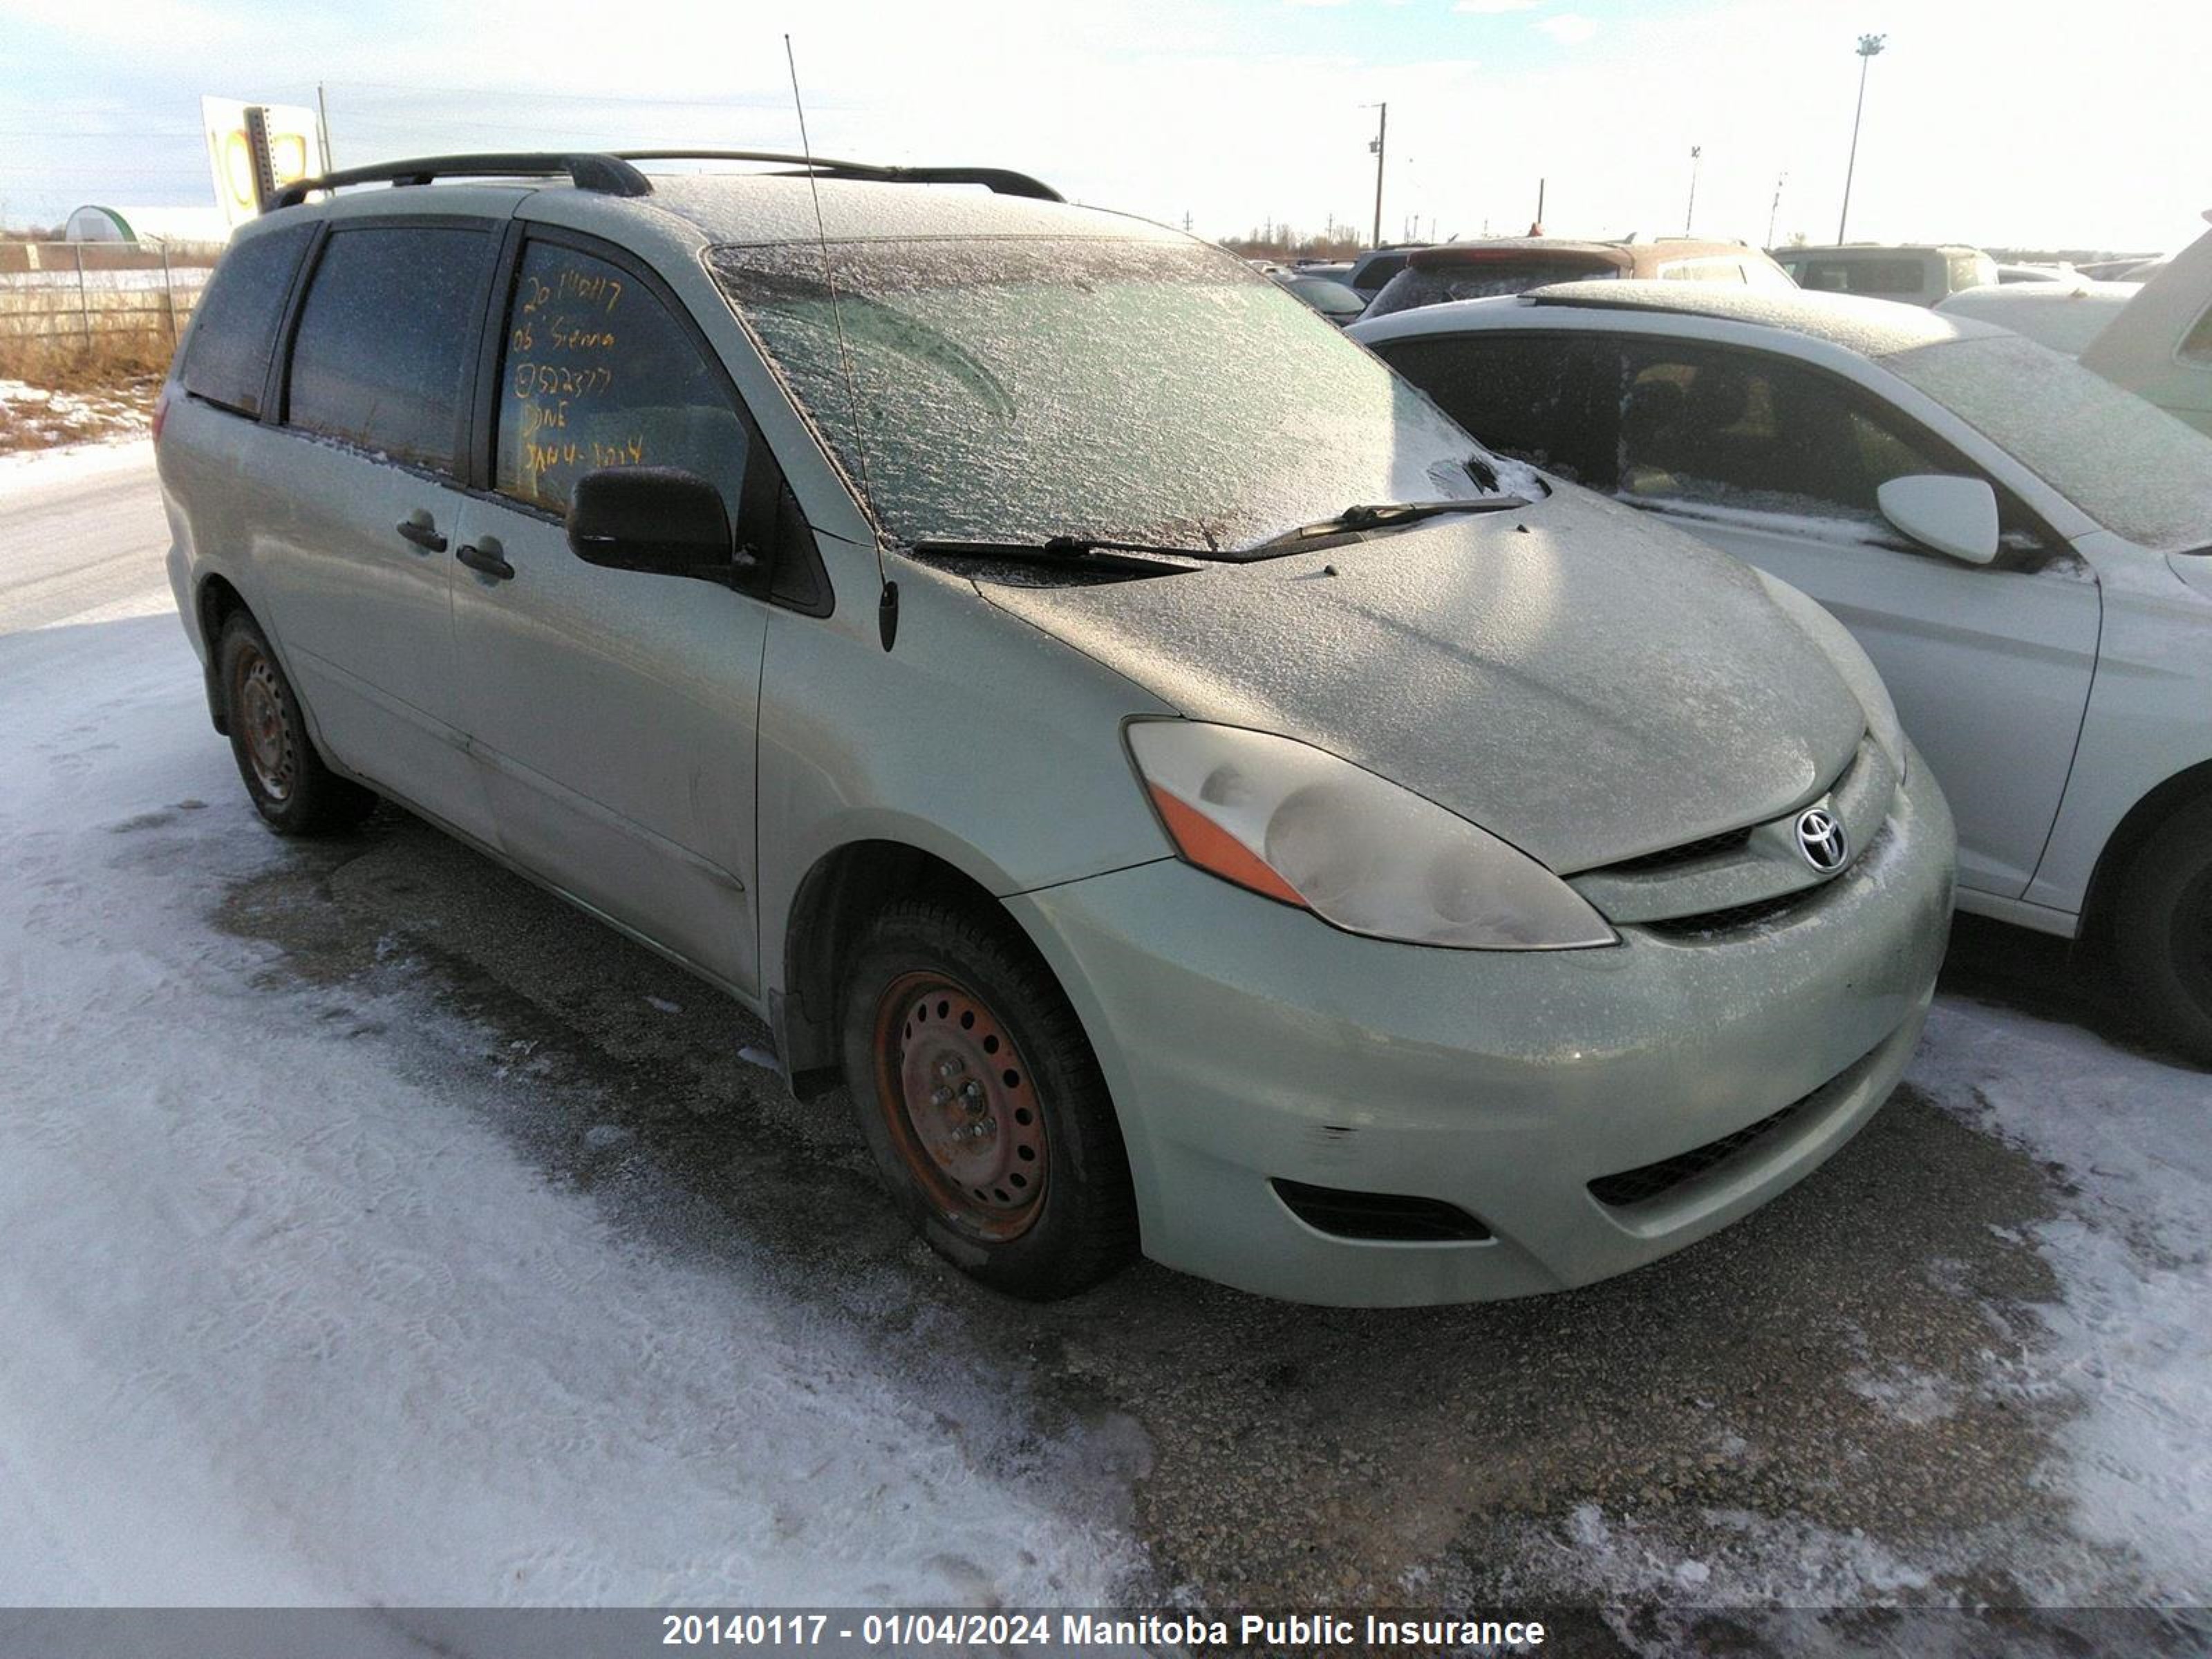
(383, 356)
(234, 326)
(1506, 389)
(598, 374)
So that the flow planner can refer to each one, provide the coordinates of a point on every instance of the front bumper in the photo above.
(1246, 1042)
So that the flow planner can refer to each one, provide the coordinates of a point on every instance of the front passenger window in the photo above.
(596, 373)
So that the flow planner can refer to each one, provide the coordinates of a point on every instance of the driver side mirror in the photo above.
(1957, 516)
(660, 520)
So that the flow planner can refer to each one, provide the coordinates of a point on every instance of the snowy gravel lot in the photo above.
(378, 1230)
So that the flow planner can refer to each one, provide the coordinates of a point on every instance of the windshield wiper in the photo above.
(1095, 553)
(1384, 515)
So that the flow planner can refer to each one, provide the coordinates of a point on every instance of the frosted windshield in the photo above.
(2127, 463)
(1014, 389)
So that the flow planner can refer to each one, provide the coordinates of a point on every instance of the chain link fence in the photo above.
(59, 293)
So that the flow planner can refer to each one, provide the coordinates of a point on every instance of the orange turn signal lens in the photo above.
(1211, 848)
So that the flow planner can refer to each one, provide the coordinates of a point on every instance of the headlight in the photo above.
(1845, 654)
(1300, 825)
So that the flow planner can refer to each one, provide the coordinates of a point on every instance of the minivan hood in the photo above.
(1585, 683)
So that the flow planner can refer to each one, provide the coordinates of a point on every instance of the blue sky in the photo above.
(2023, 123)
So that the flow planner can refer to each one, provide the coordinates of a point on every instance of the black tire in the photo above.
(295, 793)
(2163, 929)
(1037, 1202)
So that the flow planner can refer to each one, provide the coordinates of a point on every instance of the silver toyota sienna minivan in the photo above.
(1195, 798)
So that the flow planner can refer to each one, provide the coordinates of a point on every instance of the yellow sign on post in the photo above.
(294, 139)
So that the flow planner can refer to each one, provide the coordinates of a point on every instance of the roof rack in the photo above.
(613, 174)
(1002, 181)
(608, 174)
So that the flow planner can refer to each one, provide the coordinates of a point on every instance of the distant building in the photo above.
(150, 227)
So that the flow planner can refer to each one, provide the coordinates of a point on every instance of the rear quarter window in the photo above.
(234, 324)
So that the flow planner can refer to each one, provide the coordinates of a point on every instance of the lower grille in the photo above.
(1344, 1214)
(1650, 1180)
(1734, 916)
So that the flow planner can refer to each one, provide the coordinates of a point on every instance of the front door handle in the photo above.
(486, 558)
(418, 529)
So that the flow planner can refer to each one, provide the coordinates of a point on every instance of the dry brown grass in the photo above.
(103, 387)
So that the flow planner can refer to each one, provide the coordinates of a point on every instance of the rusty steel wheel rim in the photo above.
(261, 715)
(961, 1105)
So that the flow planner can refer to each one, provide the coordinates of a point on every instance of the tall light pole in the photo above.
(1689, 213)
(1869, 48)
(1377, 143)
(1775, 208)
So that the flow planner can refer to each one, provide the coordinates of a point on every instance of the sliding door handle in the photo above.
(420, 530)
(486, 558)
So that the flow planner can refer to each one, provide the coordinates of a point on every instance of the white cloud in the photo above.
(1492, 8)
(1569, 28)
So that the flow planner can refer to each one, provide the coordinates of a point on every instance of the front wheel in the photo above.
(983, 1104)
(2162, 928)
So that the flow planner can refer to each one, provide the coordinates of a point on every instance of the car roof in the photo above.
(1873, 328)
(1873, 250)
(755, 209)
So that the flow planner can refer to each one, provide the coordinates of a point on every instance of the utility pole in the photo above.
(1690, 213)
(1869, 48)
(323, 127)
(1378, 143)
(1538, 229)
(1774, 208)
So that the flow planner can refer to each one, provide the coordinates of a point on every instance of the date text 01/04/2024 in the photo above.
(998, 1629)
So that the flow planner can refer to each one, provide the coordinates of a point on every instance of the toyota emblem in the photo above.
(1820, 839)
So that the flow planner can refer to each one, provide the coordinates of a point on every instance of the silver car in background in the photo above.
(1195, 798)
(2024, 549)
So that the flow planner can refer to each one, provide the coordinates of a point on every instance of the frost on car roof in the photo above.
(1873, 328)
(750, 208)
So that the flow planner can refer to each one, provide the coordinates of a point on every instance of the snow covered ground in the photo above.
(2130, 1140)
(286, 1320)
(292, 1314)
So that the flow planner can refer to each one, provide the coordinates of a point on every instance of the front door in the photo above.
(613, 712)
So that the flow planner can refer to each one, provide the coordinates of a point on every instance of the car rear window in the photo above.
(1435, 285)
(1703, 271)
(1875, 276)
(382, 358)
(234, 324)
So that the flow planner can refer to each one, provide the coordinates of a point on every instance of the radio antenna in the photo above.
(887, 603)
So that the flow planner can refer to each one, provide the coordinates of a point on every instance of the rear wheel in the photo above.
(295, 793)
(2163, 929)
(983, 1104)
